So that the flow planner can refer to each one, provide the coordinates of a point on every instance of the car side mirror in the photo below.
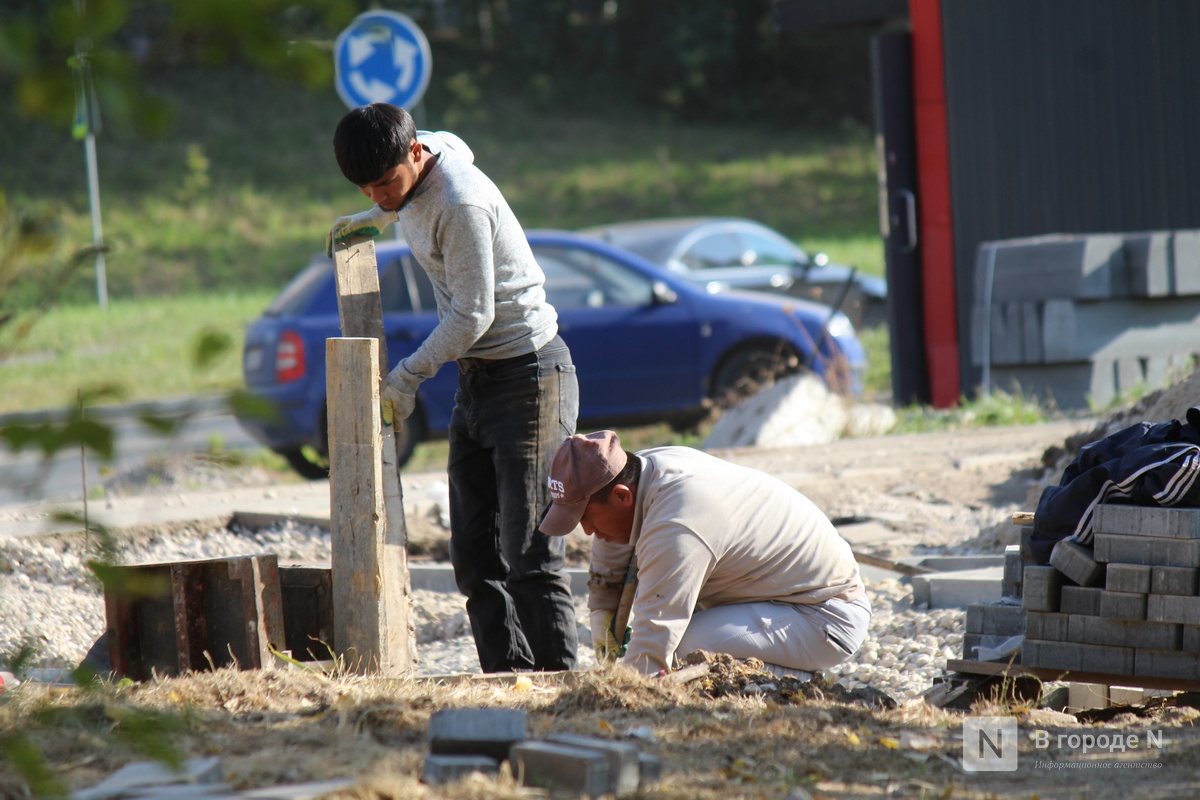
(663, 295)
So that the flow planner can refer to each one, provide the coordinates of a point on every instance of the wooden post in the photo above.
(374, 573)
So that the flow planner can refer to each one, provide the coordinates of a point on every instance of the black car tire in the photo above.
(411, 433)
(750, 370)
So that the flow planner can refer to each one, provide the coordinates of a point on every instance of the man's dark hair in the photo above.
(629, 475)
(370, 140)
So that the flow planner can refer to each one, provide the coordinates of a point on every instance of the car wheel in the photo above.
(748, 371)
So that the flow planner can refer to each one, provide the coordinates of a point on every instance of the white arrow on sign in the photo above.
(404, 56)
(374, 90)
(361, 47)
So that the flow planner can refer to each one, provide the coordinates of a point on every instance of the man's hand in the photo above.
(395, 404)
(369, 223)
(604, 638)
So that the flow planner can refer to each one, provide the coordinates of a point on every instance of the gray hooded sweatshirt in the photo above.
(489, 289)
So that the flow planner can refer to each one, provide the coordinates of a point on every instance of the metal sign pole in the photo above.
(89, 144)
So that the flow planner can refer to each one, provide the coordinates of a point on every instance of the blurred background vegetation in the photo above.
(217, 181)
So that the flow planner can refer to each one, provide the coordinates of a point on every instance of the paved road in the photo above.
(27, 477)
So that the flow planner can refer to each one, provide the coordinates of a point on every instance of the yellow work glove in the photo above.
(396, 399)
(604, 638)
(369, 223)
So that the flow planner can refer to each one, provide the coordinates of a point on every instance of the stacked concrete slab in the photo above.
(1127, 606)
(1085, 317)
(469, 740)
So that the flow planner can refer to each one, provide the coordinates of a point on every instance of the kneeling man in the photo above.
(728, 559)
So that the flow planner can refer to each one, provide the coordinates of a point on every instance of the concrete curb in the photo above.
(213, 404)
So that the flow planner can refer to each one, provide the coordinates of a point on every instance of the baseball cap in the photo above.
(583, 465)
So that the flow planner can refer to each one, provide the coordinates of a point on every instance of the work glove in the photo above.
(397, 397)
(604, 637)
(369, 223)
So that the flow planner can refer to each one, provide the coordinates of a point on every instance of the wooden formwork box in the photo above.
(307, 594)
(185, 616)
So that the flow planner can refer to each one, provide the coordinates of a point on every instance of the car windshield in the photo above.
(579, 278)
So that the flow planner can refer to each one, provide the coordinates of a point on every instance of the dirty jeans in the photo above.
(509, 418)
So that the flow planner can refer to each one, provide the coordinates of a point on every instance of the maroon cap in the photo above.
(583, 465)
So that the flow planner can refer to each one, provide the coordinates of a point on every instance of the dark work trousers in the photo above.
(510, 416)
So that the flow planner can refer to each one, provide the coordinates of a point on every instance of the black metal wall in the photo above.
(1068, 116)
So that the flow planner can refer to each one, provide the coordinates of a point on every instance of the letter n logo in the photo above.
(990, 744)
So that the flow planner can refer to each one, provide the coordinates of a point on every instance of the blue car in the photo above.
(649, 346)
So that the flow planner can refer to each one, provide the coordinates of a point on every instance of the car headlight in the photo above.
(839, 325)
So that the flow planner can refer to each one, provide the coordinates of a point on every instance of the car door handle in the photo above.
(910, 218)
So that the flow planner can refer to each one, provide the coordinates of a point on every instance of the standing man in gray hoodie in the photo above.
(517, 397)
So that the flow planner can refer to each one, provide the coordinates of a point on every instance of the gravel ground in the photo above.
(49, 600)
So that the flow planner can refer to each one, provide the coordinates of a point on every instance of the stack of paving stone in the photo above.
(1128, 606)
(990, 625)
(468, 740)
(1086, 316)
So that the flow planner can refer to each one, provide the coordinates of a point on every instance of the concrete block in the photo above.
(1127, 578)
(1185, 261)
(1151, 550)
(1167, 664)
(439, 769)
(1077, 562)
(476, 731)
(560, 767)
(1148, 255)
(1007, 620)
(1057, 265)
(1172, 608)
(958, 589)
(1125, 633)
(1167, 523)
(1010, 585)
(1078, 657)
(624, 770)
(1041, 589)
(650, 768)
(1084, 696)
(1126, 695)
(1080, 600)
(1174, 580)
(1048, 626)
(1122, 605)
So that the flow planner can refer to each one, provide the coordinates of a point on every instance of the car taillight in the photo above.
(289, 358)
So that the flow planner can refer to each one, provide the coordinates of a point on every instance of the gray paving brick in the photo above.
(1172, 608)
(1078, 657)
(1167, 664)
(1077, 562)
(560, 767)
(1174, 580)
(476, 731)
(624, 770)
(1152, 550)
(439, 769)
(1080, 600)
(1010, 584)
(1008, 620)
(1127, 578)
(1122, 605)
(1041, 589)
(1125, 633)
(650, 768)
(1046, 625)
(1172, 523)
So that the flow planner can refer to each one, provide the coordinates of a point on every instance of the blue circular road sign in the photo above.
(383, 57)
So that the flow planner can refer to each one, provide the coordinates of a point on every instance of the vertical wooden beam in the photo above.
(386, 568)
